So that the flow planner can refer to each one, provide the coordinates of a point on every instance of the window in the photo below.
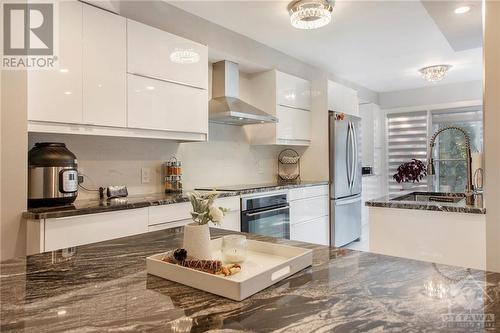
(450, 150)
(407, 138)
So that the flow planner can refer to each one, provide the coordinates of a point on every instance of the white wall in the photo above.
(492, 133)
(441, 94)
(315, 158)
(13, 158)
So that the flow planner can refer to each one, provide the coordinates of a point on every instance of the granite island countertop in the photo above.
(93, 206)
(405, 202)
(104, 287)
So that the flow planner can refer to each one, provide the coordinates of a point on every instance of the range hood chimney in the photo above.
(225, 107)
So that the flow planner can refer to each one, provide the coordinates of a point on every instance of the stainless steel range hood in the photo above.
(225, 107)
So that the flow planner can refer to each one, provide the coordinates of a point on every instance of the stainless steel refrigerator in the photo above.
(345, 178)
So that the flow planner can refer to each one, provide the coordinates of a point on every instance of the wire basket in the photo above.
(288, 166)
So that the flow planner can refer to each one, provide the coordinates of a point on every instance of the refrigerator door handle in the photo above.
(355, 155)
(347, 154)
(347, 201)
(351, 157)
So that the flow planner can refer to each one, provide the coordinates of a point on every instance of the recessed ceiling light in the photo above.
(462, 9)
(434, 73)
(310, 14)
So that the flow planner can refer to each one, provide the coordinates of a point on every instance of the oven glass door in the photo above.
(273, 222)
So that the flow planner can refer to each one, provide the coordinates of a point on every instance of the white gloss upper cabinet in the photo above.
(293, 91)
(160, 105)
(288, 98)
(56, 95)
(294, 124)
(104, 68)
(158, 54)
(342, 99)
(351, 102)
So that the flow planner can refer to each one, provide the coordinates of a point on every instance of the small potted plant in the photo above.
(410, 172)
(197, 233)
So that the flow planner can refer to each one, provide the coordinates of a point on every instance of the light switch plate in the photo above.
(145, 175)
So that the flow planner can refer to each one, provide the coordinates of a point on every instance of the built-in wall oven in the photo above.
(266, 214)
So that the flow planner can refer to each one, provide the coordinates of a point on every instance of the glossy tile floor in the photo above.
(364, 242)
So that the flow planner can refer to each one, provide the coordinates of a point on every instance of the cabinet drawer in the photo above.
(308, 209)
(74, 231)
(169, 213)
(313, 231)
(156, 53)
(308, 192)
(159, 105)
(169, 225)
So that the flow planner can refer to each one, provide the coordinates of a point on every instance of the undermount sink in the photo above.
(431, 197)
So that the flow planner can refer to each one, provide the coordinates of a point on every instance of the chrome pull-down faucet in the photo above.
(469, 188)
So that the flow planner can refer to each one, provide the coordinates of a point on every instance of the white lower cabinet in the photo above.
(58, 233)
(176, 215)
(313, 231)
(309, 215)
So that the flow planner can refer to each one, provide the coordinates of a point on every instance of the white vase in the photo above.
(197, 241)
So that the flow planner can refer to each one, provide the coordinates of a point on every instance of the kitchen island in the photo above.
(104, 287)
(430, 226)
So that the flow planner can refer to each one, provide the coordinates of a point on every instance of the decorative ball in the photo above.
(180, 254)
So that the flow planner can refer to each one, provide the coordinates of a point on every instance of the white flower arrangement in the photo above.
(205, 210)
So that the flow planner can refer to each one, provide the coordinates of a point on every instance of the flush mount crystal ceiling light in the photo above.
(434, 73)
(184, 56)
(310, 14)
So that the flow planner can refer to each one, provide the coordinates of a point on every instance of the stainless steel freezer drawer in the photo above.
(345, 220)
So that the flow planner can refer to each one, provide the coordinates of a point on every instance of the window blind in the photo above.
(407, 139)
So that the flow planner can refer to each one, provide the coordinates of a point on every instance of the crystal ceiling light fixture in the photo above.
(434, 73)
(310, 14)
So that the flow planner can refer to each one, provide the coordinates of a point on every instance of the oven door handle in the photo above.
(267, 211)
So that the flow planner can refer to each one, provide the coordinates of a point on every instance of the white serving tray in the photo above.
(266, 264)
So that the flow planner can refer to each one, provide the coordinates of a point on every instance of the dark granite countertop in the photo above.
(104, 287)
(92, 206)
(404, 201)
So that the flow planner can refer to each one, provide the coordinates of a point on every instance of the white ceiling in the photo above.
(376, 44)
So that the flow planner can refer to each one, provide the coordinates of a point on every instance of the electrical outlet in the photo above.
(260, 167)
(145, 175)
